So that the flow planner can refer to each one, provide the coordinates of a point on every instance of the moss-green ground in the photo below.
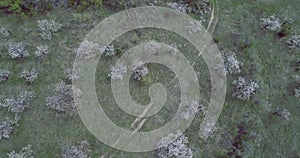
(267, 60)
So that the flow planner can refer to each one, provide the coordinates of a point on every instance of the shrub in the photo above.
(281, 112)
(25, 152)
(72, 74)
(6, 128)
(81, 4)
(297, 92)
(294, 42)
(30, 76)
(139, 70)
(232, 65)
(80, 151)
(117, 72)
(42, 51)
(4, 75)
(296, 78)
(88, 50)
(47, 28)
(4, 31)
(174, 145)
(152, 47)
(110, 50)
(244, 88)
(271, 23)
(19, 104)
(189, 109)
(63, 99)
(17, 50)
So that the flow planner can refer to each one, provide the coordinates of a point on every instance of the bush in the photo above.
(4, 75)
(4, 31)
(17, 50)
(294, 42)
(80, 151)
(63, 99)
(25, 152)
(47, 28)
(174, 145)
(42, 51)
(297, 92)
(117, 72)
(5, 129)
(19, 104)
(72, 74)
(139, 70)
(30, 76)
(271, 23)
(232, 65)
(244, 88)
(110, 50)
(88, 50)
(82, 4)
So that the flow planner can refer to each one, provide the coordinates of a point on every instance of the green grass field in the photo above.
(265, 56)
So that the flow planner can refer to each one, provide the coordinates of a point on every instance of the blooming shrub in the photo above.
(294, 42)
(244, 88)
(25, 152)
(4, 31)
(232, 65)
(189, 109)
(17, 50)
(88, 50)
(30, 76)
(152, 47)
(5, 129)
(80, 151)
(139, 70)
(117, 72)
(19, 104)
(271, 23)
(63, 99)
(47, 28)
(297, 92)
(4, 75)
(72, 74)
(42, 51)
(110, 50)
(179, 7)
(174, 145)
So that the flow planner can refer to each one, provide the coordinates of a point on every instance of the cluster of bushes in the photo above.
(33, 7)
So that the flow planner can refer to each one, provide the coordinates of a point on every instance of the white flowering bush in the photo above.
(271, 23)
(30, 76)
(174, 145)
(294, 42)
(47, 28)
(117, 72)
(63, 99)
(72, 74)
(152, 47)
(189, 109)
(42, 51)
(88, 50)
(243, 88)
(179, 7)
(6, 128)
(18, 104)
(25, 152)
(297, 92)
(232, 65)
(4, 75)
(110, 50)
(17, 50)
(296, 78)
(139, 70)
(4, 31)
(80, 151)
